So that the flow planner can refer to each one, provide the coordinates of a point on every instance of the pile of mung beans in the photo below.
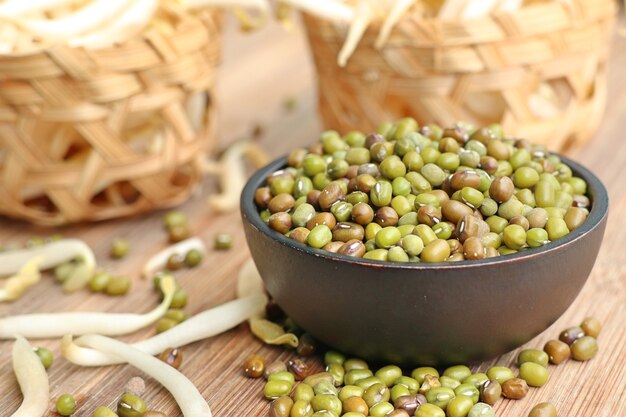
(349, 388)
(410, 194)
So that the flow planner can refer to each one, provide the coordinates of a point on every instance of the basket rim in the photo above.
(548, 6)
(500, 26)
(183, 21)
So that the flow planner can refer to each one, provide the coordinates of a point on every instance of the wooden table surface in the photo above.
(259, 73)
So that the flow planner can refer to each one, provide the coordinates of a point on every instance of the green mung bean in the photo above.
(449, 382)
(276, 389)
(533, 355)
(584, 348)
(543, 410)
(301, 408)
(481, 410)
(375, 394)
(348, 391)
(420, 373)
(381, 409)
(429, 410)
(117, 286)
(458, 372)
(354, 375)
(193, 258)
(368, 382)
(325, 387)
(500, 374)
(440, 396)
(327, 402)
(103, 412)
(468, 390)
(45, 356)
(459, 406)
(65, 405)
(398, 391)
(99, 281)
(130, 405)
(535, 375)
(477, 379)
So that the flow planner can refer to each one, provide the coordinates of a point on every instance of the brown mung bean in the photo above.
(254, 366)
(276, 366)
(501, 189)
(332, 247)
(571, 334)
(591, 326)
(322, 218)
(557, 351)
(330, 195)
(281, 222)
(454, 211)
(299, 368)
(299, 234)
(515, 388)
(354, 248)
(386, 216)
(490, 391)
(462, 179)
(282, 202)
(355, 405)
(473, 248)
(429, 215)
(262, 197)
(172, 356)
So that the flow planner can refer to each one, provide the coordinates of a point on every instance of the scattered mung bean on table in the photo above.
(348, 387)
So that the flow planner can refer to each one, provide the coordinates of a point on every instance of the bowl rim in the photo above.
(595, 189)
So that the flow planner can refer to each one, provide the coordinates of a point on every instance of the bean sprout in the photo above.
(58, 324)
(32, 378)
(207, 324)
(15, 286)
(52, 254)
(189, 399)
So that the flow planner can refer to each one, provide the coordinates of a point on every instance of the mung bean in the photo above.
(591, 327)
(535, 375)
(65, 405)
(481, 410)
(543, 410)
(515, 388)
(584, 348)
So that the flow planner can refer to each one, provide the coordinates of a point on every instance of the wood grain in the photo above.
(259, 73)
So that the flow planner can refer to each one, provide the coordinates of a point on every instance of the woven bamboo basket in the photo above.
(485, 70)
(96, 134)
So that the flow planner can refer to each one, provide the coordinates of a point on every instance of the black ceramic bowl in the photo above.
(424, 313)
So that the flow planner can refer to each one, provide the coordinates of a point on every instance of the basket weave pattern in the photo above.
(445, 71)
(97, 134)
